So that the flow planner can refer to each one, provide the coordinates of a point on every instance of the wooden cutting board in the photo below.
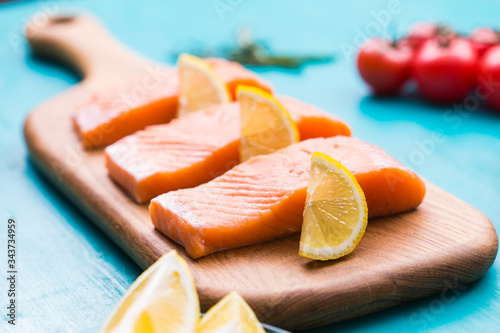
(443, 243)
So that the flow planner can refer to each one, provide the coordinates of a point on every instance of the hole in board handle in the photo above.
(62, 19)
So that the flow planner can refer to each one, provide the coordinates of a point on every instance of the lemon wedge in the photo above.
(199, 85)
(162, 299)
(230, 315)
(265, 124)
(335, 214)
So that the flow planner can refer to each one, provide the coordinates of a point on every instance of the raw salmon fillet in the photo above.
(264, 197)
(234, 74)
(109, 116)
(194, 149)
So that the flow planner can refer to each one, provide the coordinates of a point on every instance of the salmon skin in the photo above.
(194, 149)
(110, 115)
(264, 197)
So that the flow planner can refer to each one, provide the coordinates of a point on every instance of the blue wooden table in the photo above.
(70, 274)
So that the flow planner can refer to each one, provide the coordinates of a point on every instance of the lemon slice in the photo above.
(265, 124)
(199, 85)
(335, 214)
(232, 314)
(162, 299)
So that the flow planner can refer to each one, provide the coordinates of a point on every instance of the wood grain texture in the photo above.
(444, 243)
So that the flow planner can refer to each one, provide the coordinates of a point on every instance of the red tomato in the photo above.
(489, 74)
(420, 32)
(483, 38)
(445, 70)
(384, 66)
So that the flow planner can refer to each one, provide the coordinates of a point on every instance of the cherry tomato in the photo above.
(445, 69)
(420, 32)
(384, 65)
(483, 38)
(489, 74)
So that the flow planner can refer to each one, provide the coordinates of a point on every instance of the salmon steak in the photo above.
(194, 149)
(112, 114)
(264, 197)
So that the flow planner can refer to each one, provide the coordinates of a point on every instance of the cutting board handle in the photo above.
(81, 42)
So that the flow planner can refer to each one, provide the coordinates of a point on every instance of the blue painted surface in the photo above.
(71, 275)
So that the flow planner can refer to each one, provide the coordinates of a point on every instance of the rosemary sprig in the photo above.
(255, 54)
(251, 52)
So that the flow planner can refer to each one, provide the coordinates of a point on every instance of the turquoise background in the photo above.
(71, 274)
